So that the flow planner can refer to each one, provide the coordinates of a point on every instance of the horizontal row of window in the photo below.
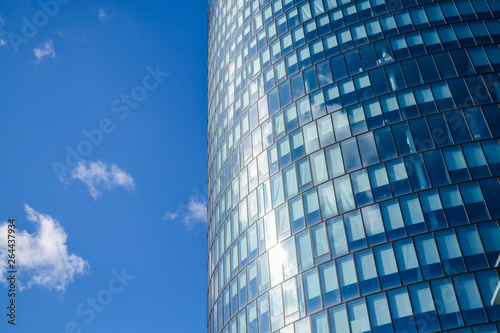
(391, 220)
(442, 96)
(430, 37)
(329, 45)
(255, 43)
(359, 118)
(384, 144)
(441, 304)
(415, 18)
(376, 82)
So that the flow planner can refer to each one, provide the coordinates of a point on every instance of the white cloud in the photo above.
(3, 42)
(42, 258)
(195, 212)
(102, 15)
(46, 50)
(99, 174)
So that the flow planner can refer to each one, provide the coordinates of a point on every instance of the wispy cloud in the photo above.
(43, 255)
(195, 212)
(102, 15)
(3, 42)
(45, 51)
(98, 175)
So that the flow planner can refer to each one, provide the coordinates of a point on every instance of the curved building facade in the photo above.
(353, 166)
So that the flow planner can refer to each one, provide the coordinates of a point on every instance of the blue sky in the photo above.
(103, 146)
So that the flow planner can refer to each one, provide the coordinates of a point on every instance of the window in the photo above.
(451, 255)
(393, 219)
(337, 237)
(470, 299)
(407, 261)
(312, 291)
(447, 304)
(387, 267)
(347, 278)
(429, 256)
(402, 313)
(423, 307)
(367, 272)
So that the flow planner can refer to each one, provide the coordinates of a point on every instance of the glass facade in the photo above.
(353, 166)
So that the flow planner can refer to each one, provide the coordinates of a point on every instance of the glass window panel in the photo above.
(488, 282)
(386, 266)
(423, 307)
(347, 278)
(329, 284)
(451, 255)
(355, 231)
(343, 191)
(472, 248)
(334, 161)
(304, 251)
(407, 261)
(474, 202)
(429, 256)
(358, 316)
(312, 291)
(401, 310)
(327, 200)
(337, 237)
(338, 319)
(361, 187)
(469, 299)
(380, 317)
(367, 272)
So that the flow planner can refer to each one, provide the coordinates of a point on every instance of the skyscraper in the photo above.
(353, 163)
